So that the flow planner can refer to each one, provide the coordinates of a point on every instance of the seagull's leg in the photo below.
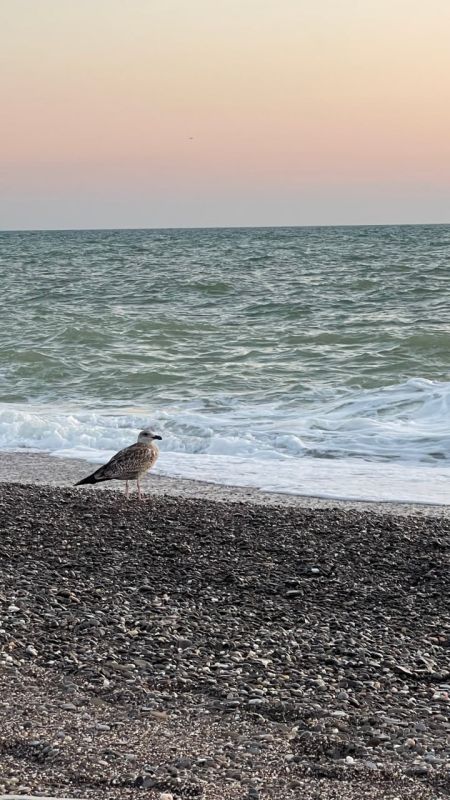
(139, 489)
(127, 493)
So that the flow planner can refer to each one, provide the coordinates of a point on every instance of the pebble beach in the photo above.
(228, 648)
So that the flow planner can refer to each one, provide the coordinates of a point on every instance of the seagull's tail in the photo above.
(94, 478)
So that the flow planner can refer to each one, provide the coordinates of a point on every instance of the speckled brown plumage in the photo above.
(129, 464)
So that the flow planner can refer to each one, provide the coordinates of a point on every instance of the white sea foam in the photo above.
(383, 444)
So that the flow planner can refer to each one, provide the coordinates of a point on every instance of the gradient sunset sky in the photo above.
(154, 113)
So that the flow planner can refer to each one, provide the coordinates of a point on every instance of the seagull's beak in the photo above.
(157, 436)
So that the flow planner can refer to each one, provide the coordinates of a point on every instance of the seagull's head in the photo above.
(147, 435)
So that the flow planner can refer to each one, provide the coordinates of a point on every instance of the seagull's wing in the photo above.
(127, 464)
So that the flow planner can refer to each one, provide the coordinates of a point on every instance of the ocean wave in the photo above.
(273, 446)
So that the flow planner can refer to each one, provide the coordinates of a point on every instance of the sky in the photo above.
(181, 113)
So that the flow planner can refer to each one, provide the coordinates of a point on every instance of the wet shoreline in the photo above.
(44, 469)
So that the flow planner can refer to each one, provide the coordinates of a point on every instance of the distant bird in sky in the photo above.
(128, 464)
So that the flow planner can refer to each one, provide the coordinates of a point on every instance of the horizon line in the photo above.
(228, 227)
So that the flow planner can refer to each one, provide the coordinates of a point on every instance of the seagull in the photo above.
(128, 464)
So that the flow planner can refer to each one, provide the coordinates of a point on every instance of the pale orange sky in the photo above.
(300, 112)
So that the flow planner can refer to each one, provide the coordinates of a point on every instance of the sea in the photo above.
(309, 361)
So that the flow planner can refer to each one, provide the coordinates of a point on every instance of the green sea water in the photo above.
(128, 316)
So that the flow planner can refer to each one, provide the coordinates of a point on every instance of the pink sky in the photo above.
(300, 112)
